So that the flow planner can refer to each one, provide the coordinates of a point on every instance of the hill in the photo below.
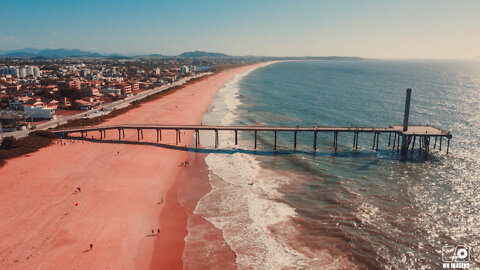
(198, 54)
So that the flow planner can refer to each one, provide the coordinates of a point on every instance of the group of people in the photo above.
(61, 142)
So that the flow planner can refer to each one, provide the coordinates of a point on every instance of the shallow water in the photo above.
(350, 209)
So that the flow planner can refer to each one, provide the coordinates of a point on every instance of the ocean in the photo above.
(349, 209)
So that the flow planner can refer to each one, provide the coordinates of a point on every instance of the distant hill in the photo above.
(50, 53)
(66, 53)
(198, 54)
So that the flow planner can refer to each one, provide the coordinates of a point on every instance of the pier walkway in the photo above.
(395, 133)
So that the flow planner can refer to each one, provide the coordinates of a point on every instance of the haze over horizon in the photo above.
(387, 29)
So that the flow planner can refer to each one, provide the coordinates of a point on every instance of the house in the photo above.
(38, 111)
(51, 103)
(83, 105)
(17, 102)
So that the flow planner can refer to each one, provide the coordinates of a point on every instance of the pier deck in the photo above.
(424, 133)
(412, 130)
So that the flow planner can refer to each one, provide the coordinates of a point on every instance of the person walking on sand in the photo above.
(153, 232)
(158, 230)
(91, 246)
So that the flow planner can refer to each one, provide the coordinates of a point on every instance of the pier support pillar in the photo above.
(398, 143)
(216, 138)
(138, 134)
(440, 148)
(407, 109)
(389, 138)
(196, 138)
(405, 144)
(157, 134)
(123, 133)
(435, 143)
(295, 140)
(119, 135)
(356, 140)
(336, 140)
(413, 143)
(394, 140)
(275, 141)
(378, 138)
(255, 146)
(82, 134)
(236, 137)
(314, 140)
(176, 137)
(101, 134)
(448, 145)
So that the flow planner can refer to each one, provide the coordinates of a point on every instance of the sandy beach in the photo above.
(125, 192)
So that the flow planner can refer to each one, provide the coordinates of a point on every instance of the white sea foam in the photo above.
(243, 201)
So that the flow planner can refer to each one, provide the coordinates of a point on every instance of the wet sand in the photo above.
(47, 224)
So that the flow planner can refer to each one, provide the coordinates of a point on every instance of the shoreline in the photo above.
(179, 215)
(46, 224)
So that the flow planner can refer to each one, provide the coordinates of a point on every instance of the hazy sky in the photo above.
(380, 29)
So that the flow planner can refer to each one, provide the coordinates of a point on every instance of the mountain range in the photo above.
(34, 53)
(62, 53)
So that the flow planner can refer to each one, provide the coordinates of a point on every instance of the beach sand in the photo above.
(46, 223)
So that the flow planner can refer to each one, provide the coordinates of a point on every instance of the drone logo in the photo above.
(456, 257)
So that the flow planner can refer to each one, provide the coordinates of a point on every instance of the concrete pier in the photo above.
(406, 133)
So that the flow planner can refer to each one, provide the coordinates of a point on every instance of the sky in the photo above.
(404, 29)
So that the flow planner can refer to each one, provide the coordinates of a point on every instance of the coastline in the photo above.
(47, 225)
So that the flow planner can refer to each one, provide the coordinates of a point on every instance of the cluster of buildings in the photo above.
(30, 93)
(21, 72)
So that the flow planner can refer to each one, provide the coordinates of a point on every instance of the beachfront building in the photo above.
(184, 70)
(126, 88)
(111, 91)
(38, 112)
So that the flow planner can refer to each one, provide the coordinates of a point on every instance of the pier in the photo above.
(401, 138)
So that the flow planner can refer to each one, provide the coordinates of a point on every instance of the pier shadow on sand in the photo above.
(383, 154)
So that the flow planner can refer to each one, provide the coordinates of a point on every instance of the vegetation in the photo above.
(12, 148)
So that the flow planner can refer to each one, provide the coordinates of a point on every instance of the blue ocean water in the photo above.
(352, 209)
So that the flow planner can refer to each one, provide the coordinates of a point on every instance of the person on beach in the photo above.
(91, 246)
(153, 232)
(158, 230)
